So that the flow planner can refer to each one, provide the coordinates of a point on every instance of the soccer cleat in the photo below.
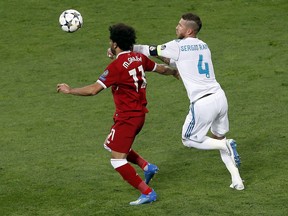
(150, 172)
(231, 145)
(144, 199)
(237, 186)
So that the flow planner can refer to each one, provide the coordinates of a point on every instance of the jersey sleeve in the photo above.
(169, 50)
(108, 77)
(149, 65)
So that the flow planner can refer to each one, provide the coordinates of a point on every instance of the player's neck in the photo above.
(118, 50)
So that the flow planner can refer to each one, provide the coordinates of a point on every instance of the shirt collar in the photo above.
(123, 52)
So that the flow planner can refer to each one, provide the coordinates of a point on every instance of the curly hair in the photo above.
(123, 35)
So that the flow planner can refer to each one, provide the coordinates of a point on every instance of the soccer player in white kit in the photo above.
(208, 104)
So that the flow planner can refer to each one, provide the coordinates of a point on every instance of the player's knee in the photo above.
(186, 142)
(190, 143)
(118, 162)
(217, 135)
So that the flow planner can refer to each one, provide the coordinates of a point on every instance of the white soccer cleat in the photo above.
(239, 186)
(144, 199)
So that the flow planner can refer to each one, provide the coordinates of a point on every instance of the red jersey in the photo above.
(126, 76)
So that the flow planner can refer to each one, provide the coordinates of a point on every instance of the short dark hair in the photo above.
(123, 35)
(195, 19)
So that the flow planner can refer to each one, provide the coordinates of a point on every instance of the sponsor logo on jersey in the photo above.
(104, 75)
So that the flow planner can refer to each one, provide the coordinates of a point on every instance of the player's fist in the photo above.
(110, 54)
(64, 88)
(176, 74)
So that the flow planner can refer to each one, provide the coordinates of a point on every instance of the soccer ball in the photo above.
(70, 20)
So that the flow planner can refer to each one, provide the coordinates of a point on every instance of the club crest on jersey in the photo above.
(163, 47)
(104, 75)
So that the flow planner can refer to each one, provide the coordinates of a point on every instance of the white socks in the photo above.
(207, 144)
(233, 170)
(213, 144)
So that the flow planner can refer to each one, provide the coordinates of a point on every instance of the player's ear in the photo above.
(190, 31)
(115, 45)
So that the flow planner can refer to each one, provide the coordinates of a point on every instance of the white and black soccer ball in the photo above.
(70, 20)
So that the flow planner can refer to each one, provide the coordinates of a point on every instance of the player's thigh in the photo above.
(198, 121)
(220, 125)
(123, 133)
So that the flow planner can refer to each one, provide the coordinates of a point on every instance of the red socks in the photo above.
(129, 174)
(135, 158)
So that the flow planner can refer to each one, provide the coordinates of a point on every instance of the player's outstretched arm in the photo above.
(167, 53)
(166, 70)
(163, 59)
(88, 90)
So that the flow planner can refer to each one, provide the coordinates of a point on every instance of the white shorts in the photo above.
(208, 112)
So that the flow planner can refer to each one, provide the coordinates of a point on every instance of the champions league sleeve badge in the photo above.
(104, 75)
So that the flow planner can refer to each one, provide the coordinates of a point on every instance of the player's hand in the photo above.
(64, 88)
(176, 74)
(110, 54)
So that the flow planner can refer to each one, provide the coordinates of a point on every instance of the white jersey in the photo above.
(193, 61)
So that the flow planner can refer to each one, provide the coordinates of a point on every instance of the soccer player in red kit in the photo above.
(126, 77)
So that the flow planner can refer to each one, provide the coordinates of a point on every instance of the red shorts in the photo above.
(123, 133)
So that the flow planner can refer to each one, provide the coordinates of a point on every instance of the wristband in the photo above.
(153, 50)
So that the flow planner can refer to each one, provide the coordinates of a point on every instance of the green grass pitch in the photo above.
(52, 161)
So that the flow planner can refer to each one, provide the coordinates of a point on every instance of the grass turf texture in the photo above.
(51, 157)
